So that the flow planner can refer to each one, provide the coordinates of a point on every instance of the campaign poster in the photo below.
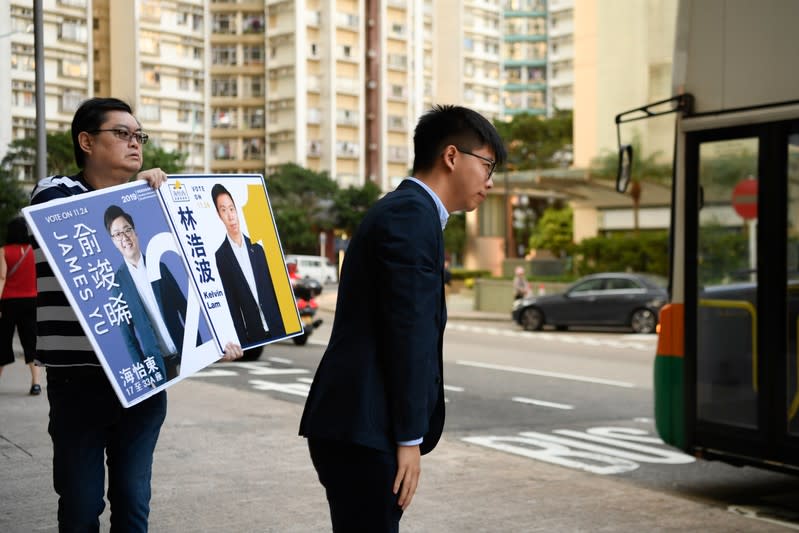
(226, 231)
(117, 260)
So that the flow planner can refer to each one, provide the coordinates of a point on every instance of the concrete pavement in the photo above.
(230, 460)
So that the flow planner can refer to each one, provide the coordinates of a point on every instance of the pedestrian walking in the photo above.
(18, 299)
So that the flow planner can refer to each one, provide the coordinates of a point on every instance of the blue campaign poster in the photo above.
(118, 261)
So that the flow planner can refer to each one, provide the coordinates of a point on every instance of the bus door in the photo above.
(742, 291)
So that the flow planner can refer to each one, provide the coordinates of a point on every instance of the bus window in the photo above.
(726, 349)
(792, 344)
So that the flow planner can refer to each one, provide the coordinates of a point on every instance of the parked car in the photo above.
(314, 267)
(607, 299)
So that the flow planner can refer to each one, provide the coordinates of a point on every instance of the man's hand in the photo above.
(154, 177)
(409, 468)
(232, 352)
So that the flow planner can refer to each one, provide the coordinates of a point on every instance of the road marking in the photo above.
(297, 389)
(609, 450)
(214, 373)
(305, 380)
(281, 360)
(542, 403)
(646, 343)
(544, 373)
(453, 388)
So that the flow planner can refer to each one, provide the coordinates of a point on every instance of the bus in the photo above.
(727, 361)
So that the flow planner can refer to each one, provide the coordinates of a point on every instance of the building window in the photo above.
(223, 150)
(254, 23)
(74, 67)
(149, 43)
(397, 123)
(347, 149)
(149, 109)
(256, 86)
(254, 117)
(224, 23)
(223, 55)
(73, 30)
(346, 116)
(223, 117)
(253, 55)
(397, 154)
(70, 100)
(397, 90)
(151, 78)
(224, 87)
(253, 148)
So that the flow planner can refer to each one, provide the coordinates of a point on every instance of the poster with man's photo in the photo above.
(150, 301)
(226, 231)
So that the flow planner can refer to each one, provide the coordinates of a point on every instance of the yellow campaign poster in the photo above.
(224, 225)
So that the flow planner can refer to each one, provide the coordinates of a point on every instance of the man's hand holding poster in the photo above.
(149, 300)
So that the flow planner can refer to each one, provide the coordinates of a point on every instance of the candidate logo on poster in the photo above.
(117, 260)
(226, 231)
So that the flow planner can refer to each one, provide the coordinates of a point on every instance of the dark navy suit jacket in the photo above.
(140, 334)
(380, 379)
(240, 300)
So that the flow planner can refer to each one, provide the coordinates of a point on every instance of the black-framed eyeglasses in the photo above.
(486, 159)
(125, 135)
(127, 231)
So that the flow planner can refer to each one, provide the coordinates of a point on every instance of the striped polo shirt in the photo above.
(60, 340)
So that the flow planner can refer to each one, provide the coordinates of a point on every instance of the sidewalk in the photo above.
(230, 460)
(460, 306)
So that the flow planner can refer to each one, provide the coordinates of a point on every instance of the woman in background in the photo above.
(18, 300)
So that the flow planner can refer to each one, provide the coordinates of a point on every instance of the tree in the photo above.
(12, 198)
(350, 205)
(302, 202)
(156, 157)
(455, 237)
(554, 231)
(60, 155)
(534, 142)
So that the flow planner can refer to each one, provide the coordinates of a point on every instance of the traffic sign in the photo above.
(744, 198)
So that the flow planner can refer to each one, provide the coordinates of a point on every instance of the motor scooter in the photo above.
(307, 307)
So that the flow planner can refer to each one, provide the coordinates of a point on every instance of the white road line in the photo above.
(453, 388)
(542, 403)
(281, 360)
(305, 380)
(558, 375)
(631, 341)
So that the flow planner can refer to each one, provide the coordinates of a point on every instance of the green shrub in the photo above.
(464, 273)
(647, 252)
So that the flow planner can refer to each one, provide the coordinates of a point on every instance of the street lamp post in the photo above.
(41, 131)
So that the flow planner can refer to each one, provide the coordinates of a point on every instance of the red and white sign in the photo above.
(744, 198)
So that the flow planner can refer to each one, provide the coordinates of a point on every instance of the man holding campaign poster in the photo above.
(88, 424)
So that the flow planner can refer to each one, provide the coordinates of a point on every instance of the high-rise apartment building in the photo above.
(560, 55)
(537, 57)
(468, 55)
(524, 57)
(237, 85)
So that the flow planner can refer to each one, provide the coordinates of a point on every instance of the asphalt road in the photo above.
(580, 400)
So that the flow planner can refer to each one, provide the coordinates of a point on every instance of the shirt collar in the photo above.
(443, 215)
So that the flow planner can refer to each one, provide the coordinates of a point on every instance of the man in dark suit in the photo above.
(245, 278)
(157, 308)
(377, 400)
